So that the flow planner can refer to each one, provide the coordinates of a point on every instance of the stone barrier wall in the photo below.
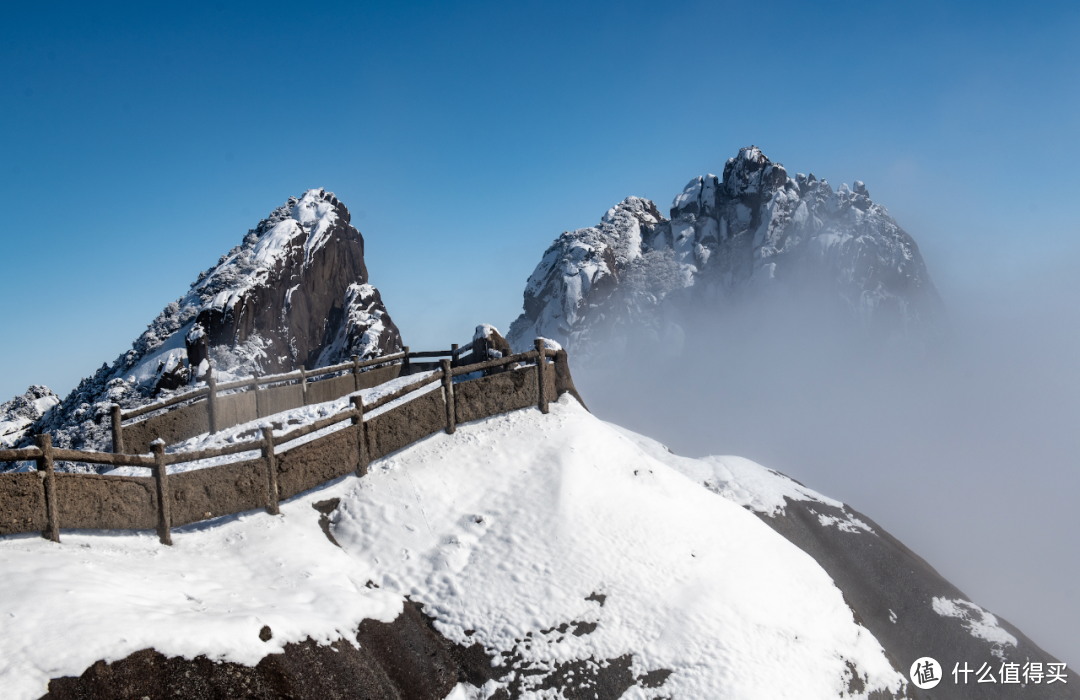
(22, 503)
(185, 422)
(94, 502)
(202, 494)
(88, 501)
(172, 427)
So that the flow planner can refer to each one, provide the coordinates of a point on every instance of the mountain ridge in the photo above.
(755, 232)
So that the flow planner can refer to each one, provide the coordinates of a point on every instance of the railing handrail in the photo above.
(262, 379)
(158, 460)
(147, 460)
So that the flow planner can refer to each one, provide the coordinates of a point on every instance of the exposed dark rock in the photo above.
(407, 659)
(402, 660)
(891, 591)
(325, 508)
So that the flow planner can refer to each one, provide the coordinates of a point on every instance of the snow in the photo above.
(980, 623)
(504, 528)
(691, 194)
(107, 595)
(364, 311)
(735, 478)
(172, 350)
(747, 483)
(551, 346)
(18, 414)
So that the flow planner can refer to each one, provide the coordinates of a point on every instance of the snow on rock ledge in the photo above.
(18, 414)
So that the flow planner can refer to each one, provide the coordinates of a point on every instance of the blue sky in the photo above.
(140, 142)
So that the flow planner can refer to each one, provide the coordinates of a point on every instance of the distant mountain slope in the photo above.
(294, 293)
(633, 277)
(908, 606)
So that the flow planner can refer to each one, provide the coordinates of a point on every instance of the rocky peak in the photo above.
(751, 172)
(755, 229)
(294, 293)
(698, 198)
(282, 298)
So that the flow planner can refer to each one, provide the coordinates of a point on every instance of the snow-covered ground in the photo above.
(507, 527)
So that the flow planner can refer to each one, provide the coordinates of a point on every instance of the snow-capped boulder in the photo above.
(754, 231)
(294, 293)
(21, 412)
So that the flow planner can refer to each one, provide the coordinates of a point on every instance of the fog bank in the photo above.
(967, 451)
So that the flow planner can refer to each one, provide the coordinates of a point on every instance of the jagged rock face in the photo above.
(756, 231)
(294, 293)
(21, 412)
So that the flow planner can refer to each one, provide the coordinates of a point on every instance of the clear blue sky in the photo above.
(139, 142)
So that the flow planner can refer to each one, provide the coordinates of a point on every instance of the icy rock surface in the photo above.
(755, 231)
(21, 412)
(294, 293)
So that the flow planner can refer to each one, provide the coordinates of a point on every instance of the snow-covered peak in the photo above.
(752, 173)
(755, 230)
(293, 293)
(583, 263)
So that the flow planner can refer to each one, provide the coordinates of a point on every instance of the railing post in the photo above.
(211, 400)
(405, 368)
(161, 479)
(356, 372)
(45, 469)
(258, 397)
(448, 394)
(303, 385)
(271, 470)
(361, 435)
(541, 370)
(454, 354)
(117, 430)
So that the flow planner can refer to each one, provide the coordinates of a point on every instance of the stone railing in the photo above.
(208, 409)
(46, 500)
(218, 406)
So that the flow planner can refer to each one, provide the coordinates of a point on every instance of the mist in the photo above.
(966, 449)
